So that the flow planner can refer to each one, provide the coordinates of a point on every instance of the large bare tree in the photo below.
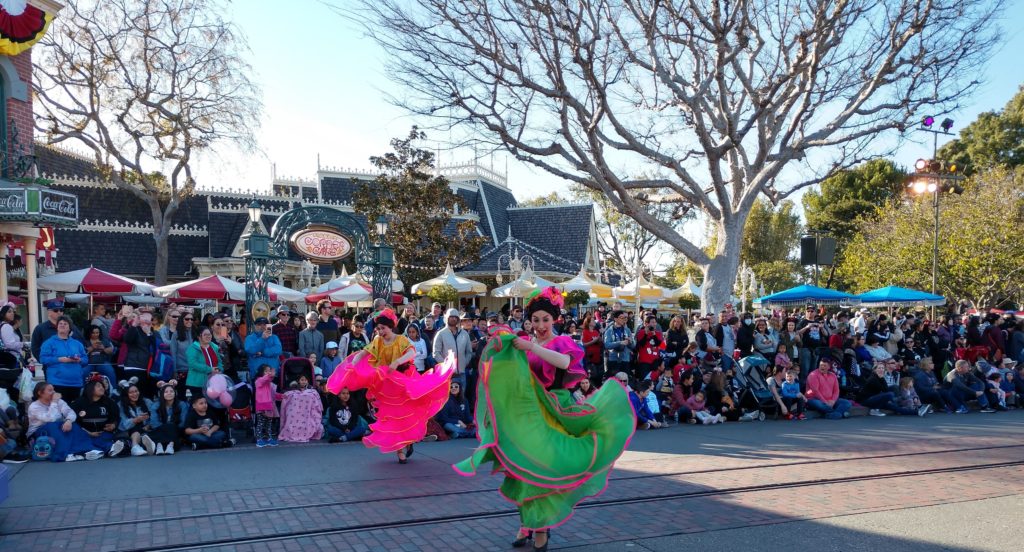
(146, 86)
(724, 100)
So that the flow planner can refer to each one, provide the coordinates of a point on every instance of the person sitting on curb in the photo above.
(823, 392)
(875, 395)
(930, 390)
(964, 386)
(644, 417)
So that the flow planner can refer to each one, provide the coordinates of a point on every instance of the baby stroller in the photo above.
(10, 371)
(292, 369)
(240, 411)
(752, 376)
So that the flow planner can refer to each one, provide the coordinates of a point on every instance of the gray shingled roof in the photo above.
(133, 255)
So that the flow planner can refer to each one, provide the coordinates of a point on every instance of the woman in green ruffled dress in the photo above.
(552, 451)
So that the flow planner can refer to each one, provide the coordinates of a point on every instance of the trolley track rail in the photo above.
(488, 490)
(504, 512)
(590, 505)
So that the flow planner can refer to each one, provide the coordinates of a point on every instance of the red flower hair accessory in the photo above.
(387, 314)
(550, 293)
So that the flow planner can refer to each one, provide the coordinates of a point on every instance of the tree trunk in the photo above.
(161, 232)
(720, 273)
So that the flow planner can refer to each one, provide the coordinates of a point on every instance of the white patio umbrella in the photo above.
(640, 287)
(516, 288)
(582, 282)
(464, 286)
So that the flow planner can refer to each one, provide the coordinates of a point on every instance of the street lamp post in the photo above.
(934, 177)
(384, 262)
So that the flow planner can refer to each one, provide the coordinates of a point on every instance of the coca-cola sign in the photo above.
(323, 244)
(12, 201)
(60, 205)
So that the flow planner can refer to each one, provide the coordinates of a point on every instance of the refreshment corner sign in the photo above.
(323, 244)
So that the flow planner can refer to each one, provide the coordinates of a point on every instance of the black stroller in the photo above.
(752, 379)
(292, 369)
(10, 371)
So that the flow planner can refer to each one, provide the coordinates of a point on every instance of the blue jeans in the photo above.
(888, 402)
(943, 396)
(217, 439)
(355, 434)
(456, 432)
(835, 412)
(964, 396)
(806, 363)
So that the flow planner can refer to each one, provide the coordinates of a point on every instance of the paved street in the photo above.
(858, 484)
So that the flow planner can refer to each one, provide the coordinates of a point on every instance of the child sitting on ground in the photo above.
(685, 363)
(266, 408)
(344, 423)
(794, 400)
(644, 417)
(908, 395)
(201, 429)
(994, 384)
(698, 406)
(302, 414)
(317, 370)
(782, 359)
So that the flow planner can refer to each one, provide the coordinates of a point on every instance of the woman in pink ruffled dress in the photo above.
(404, 399)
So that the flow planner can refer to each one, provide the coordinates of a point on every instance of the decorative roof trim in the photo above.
(76, 181)
(487, 211)
(241, 209)
(119, 227)
(558, 261)
(552, 206)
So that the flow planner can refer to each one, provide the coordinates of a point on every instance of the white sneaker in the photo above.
(116, 449)
(159, 450)
(148, 444)
(73, 458)
(876, 412)
(137, 450)
(924, 409)
(169, 449)
(94, 455)
(719, 418)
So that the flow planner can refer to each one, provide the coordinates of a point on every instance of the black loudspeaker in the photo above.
(826, 250)
(808, 250)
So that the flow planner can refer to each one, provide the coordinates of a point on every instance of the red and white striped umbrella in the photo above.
(94, 280)
(220, 288)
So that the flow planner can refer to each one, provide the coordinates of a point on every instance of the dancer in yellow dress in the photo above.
(404, 399)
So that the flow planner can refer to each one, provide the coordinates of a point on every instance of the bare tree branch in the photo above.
(720, 99)
(146, 85)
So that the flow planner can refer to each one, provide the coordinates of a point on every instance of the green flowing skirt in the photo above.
(553, 452)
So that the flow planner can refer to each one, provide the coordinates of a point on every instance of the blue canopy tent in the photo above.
(806, 295)
(895, 296)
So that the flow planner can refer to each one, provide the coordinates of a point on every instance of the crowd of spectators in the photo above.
(134, 383)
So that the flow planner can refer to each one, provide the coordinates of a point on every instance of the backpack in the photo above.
(161, 364)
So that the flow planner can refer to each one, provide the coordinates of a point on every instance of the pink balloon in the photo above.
(226, 399)
(216, 385)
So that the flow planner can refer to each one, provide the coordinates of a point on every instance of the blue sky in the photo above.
(323, 89)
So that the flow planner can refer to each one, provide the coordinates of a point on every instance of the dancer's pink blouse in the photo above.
(545, 372)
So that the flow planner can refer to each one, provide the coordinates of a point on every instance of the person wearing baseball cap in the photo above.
(330, 360)
(48, 329)
(286, 332)
(262, 347)
(453, 339)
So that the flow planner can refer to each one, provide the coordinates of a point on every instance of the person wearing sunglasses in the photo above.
(48, 329)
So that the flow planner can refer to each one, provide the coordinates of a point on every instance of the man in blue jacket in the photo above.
(262, 347)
